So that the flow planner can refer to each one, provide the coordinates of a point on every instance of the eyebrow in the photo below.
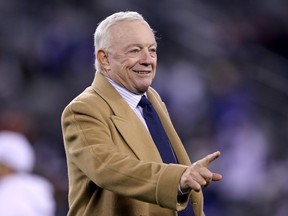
(141, 45)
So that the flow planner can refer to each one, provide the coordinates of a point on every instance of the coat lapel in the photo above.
(175, 141)
(126, 121)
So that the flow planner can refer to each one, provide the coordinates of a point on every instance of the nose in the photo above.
(146, 57)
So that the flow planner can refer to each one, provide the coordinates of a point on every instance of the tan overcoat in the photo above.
(114, 167)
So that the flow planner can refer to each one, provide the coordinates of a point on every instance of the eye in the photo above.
(153, 52)
(134, 51)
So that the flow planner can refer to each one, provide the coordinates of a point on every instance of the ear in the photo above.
(102, 58)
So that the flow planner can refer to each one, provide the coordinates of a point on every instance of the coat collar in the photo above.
(126, 121)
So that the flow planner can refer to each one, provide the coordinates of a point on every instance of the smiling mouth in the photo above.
(142, 72)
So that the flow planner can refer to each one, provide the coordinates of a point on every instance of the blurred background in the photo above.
(222, 71)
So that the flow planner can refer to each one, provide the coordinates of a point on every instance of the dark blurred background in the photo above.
(222, 70)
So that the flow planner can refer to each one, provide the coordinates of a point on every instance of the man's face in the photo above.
(132, 55)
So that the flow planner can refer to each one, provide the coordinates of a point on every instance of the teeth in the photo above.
(142, 72)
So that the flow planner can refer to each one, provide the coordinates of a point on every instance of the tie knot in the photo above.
(144, 101)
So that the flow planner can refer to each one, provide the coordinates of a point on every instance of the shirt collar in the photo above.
(131, 98)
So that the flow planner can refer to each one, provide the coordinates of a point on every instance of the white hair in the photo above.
(101, 35)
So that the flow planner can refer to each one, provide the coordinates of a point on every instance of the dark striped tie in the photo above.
(157, 131)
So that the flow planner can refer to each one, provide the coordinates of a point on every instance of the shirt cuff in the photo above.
(185, 192)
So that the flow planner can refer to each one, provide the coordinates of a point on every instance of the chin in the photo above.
(142, 90)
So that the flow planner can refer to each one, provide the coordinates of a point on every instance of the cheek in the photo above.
(155, 63)
(123, 64)
(119, 68)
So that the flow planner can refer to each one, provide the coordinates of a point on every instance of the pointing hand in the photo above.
(198, 174)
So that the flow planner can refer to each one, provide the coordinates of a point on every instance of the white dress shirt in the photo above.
(132, 100)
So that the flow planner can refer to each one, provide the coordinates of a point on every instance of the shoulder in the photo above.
(87, 101)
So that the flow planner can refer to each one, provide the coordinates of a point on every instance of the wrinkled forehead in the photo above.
(129, 25)
(128, 30)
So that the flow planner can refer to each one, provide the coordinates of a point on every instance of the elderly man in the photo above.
(124, 155)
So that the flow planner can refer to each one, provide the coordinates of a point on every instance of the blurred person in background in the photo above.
(114, 166)
(21, 192)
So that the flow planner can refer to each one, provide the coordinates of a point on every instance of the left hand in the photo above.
(198, 174)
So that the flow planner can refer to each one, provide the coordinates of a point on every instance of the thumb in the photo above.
(216, 177)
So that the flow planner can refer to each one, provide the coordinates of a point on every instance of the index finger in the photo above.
(208, 159)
